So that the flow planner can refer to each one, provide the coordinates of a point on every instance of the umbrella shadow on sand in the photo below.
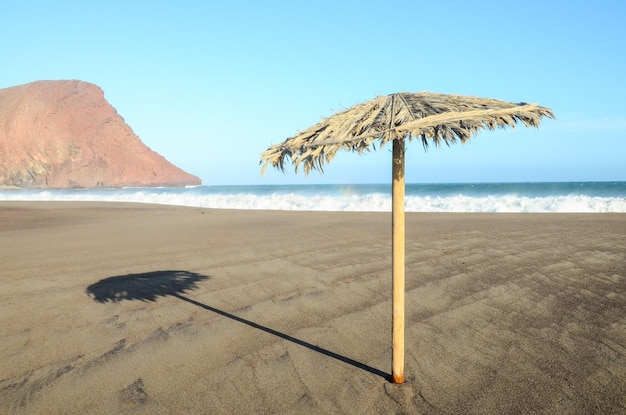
(149, 286)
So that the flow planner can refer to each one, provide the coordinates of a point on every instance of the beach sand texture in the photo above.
(144, 309)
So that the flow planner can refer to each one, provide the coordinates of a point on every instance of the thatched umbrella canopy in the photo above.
(396, 118)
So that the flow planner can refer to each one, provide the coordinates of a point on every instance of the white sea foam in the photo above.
(372, 202)
(512, 203)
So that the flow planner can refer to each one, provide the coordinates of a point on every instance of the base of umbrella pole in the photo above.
(397, 266)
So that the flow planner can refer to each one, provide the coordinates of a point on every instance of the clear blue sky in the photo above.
(210, 85)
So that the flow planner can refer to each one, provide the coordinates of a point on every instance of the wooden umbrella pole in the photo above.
(397, 265)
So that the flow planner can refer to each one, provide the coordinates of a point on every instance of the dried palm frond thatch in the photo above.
(426, 116)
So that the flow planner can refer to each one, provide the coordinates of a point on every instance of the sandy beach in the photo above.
(112, 308)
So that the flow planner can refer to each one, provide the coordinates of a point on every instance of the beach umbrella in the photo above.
(397, 118)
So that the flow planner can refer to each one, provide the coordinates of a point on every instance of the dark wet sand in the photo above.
(143, 309)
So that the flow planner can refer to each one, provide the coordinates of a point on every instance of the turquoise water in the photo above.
(448, 197)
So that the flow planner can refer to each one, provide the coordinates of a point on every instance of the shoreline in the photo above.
(458, 198)
(114, 306)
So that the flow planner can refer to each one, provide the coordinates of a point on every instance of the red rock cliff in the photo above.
(61, 134)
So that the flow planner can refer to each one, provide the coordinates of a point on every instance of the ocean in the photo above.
(449, 197)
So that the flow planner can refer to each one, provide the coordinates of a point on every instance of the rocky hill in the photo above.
(64, 134)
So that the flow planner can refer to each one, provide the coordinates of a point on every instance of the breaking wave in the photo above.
(372, 198)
